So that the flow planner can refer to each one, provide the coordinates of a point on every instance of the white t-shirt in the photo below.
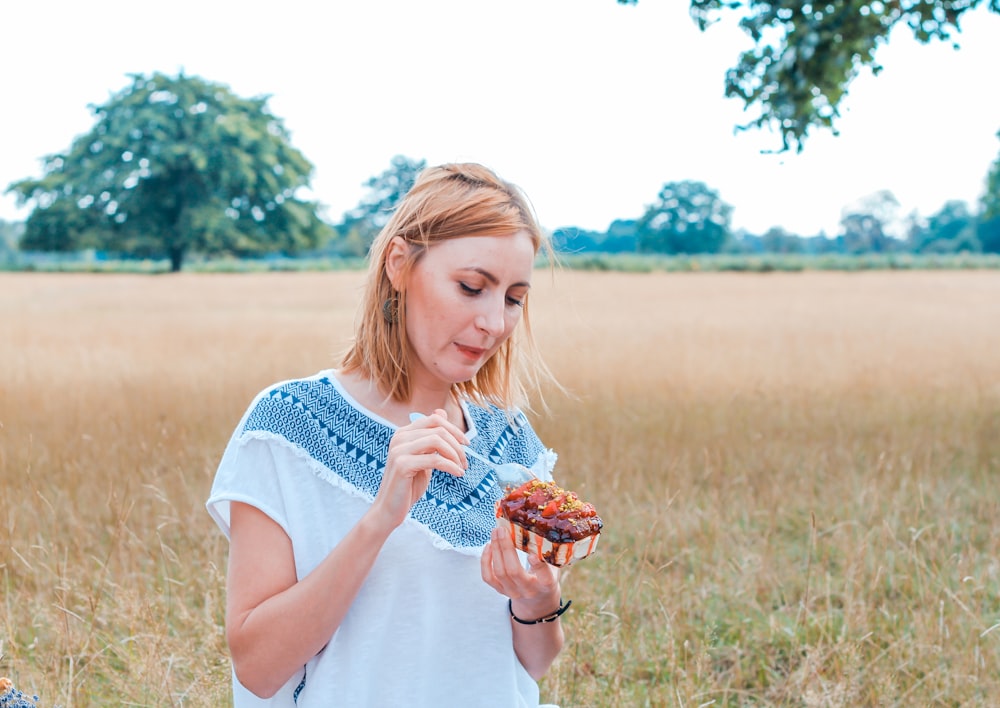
(424, 629)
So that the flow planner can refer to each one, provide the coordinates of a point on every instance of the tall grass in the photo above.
(799, 476)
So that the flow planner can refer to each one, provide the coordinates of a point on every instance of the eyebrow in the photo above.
(492, 278)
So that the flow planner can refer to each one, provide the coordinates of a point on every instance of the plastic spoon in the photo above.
(507, 473)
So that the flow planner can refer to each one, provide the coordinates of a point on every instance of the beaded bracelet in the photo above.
(541, 620)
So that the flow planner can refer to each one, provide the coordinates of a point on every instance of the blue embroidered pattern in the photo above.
(313, 415)
(298, 689)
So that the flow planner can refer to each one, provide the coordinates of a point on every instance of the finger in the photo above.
(439, 419)
(520, 582)
(547, 575)
(450, 438)
(428, 451)
(412, 464)
(452, 434)
(492, 570)
(486, 567)
(440, 462)
(452, 426)
(507, 552)
(535, 563)
(506, 565)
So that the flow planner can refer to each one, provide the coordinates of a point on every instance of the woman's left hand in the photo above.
(534, 593)
(534, 590)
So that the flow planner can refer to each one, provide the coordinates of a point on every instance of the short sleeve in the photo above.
(248, 473)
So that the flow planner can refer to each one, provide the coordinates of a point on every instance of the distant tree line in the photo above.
(178, 165)
(691, 218)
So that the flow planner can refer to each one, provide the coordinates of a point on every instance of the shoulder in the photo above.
(290, 400)
(300, 384)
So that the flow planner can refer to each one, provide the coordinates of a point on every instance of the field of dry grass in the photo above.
(799, 476)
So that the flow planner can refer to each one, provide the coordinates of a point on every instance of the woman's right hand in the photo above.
(415, 450)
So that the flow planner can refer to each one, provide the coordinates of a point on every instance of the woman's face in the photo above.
(464, 297)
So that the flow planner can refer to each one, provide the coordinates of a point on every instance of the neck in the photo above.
(422, 400)
(427, 402)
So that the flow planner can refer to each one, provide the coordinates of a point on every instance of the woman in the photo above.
(364, 566)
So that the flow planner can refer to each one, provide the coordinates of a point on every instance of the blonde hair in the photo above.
(445, 202)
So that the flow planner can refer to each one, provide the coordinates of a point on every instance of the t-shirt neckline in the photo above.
(331, 374)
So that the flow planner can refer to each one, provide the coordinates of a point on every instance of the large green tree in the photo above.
(687, 217)
(175, 164)
(806, 54)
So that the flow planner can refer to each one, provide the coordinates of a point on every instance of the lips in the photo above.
(470, 352)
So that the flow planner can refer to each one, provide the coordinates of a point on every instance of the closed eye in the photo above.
(470, 291)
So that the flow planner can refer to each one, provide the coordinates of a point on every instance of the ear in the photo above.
(395, 258)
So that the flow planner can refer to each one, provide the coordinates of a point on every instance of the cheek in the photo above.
(431, 306)
(512, 318)
(438, 324)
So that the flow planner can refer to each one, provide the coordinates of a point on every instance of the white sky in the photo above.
(589, 105)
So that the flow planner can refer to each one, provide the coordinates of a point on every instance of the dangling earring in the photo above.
(390, 310)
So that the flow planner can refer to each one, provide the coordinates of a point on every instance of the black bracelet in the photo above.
(541, 620)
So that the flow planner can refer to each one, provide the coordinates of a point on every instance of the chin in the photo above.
(461, 374)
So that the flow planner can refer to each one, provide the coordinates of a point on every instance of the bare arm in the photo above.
(275, 623)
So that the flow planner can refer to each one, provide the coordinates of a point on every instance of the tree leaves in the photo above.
(806, 54)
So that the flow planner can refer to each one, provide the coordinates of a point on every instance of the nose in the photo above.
(491, 317)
